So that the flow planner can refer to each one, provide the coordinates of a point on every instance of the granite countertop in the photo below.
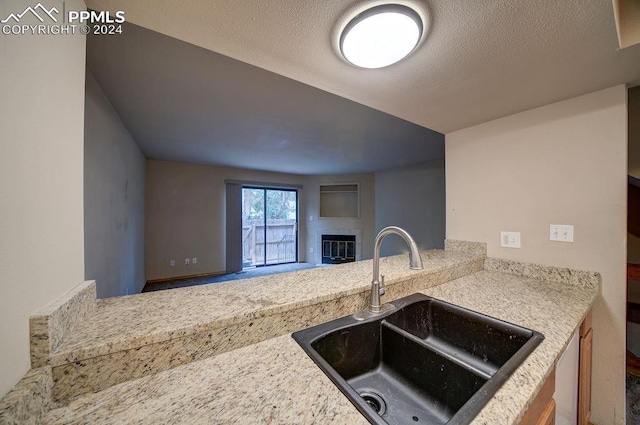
(275, 382)
(131, 321)
(86, 346)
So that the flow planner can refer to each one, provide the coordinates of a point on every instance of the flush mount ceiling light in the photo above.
(381, 36)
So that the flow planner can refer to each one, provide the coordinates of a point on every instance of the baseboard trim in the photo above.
(190, 276)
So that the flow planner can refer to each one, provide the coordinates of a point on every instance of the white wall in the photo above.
(41, 212)
(114, 177)
(564, 163)
(414, 199)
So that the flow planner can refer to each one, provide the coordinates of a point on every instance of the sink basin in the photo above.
(425, 362)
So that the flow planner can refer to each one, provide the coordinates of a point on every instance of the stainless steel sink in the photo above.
(426, 362)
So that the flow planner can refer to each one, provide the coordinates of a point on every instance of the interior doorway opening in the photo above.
(633, 257)
(269, 226)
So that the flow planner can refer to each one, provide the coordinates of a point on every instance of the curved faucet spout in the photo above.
(415, 262)
(377, 284)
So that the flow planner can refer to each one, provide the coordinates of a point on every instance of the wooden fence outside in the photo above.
(280, 245)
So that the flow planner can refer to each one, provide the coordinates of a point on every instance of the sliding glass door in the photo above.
(269, 226)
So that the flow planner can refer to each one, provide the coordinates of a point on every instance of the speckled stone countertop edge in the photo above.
(477, 248)
(29, 400)
(91, 351)
(543, 273)
(50, 326)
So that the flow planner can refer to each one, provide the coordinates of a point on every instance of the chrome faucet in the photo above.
(377, 284)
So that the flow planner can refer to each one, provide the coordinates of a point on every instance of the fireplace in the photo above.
(338, 249)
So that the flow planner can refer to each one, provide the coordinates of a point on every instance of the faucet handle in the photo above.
(382, 290)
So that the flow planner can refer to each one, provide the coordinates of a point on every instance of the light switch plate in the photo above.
(561, 232)
(510, 239)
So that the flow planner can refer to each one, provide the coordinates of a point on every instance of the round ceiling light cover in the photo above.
(381, 36)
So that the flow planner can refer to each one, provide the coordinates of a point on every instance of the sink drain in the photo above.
(374, 400)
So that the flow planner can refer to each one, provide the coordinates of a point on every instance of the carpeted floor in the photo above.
(633, 399)
(244, 274)
(633, 349)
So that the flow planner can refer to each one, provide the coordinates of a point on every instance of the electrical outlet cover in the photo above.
(510, 239)
(561, 232)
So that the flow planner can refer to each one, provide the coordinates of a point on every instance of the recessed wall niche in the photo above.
(339, 200)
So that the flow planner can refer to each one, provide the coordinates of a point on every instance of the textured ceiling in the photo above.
(185, 103)
(481, 59)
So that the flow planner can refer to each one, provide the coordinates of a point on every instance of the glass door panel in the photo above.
(269, 226)
(253, 227)
(281, 221)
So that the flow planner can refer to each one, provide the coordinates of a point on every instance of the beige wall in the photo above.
(185, 215)
(365, 223)
(41, 212)
(563, 163)
(114, 176)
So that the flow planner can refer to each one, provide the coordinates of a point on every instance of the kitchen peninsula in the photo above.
(223, 353)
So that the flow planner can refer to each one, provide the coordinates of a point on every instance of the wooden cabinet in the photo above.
(543, 409)
(584, 373)
(548, 417)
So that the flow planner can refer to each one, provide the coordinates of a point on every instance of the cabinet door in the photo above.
(584, 392)
(548, 417)
(542, 410)
(567, 378)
